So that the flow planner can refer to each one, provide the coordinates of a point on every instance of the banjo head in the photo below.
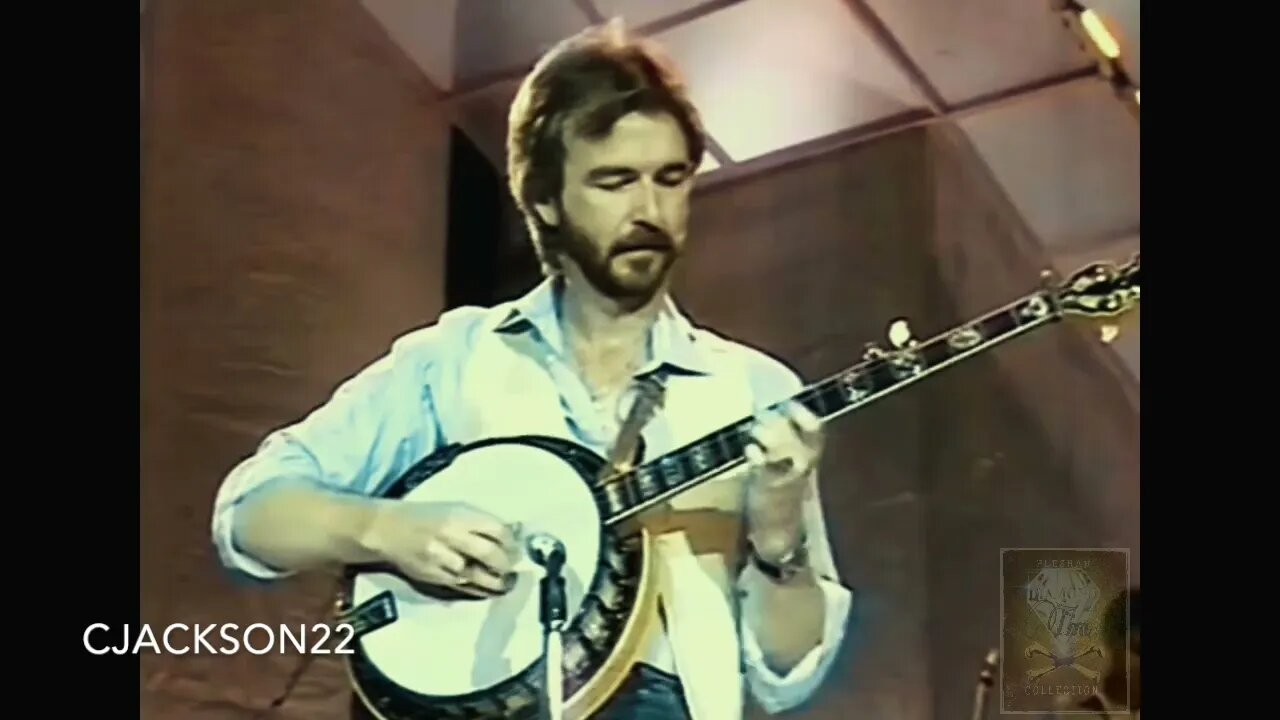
(419, 656)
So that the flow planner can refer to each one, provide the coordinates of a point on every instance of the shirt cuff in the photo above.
(776, 693)
(232, 556)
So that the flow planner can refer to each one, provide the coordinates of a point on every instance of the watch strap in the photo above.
(786, 568)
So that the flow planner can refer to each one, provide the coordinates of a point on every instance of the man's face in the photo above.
(625, 206)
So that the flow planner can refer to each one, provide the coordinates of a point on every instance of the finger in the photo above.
(759, 462)
(446, 568)
(804, 428)
(483, 551)
(781, 443)
(476, 578)
(795, 426)
(479, 578)
(778, 421)
(793, 434)
(803, 419)
(770, 431)
(487, 526)
(450, 562)
(471, 590)
(461, 585)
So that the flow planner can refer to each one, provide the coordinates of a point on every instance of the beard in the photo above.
(629, 271)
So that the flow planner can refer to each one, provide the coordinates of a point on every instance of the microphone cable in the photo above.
(304, 663)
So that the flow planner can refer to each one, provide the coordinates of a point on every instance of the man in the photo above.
(1120, 694)
(602, 150)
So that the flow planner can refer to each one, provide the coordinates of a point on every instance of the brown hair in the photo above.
(584, 85)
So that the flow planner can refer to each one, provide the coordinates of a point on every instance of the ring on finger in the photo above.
(461, 578)
(458, 577)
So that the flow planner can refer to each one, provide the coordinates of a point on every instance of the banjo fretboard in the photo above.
(880, 373)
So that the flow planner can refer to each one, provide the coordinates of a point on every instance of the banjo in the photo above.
(421, 655)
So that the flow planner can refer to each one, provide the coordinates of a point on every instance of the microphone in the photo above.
(553, 612)
(546, 550)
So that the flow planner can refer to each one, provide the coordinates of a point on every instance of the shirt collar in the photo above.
(671, 340)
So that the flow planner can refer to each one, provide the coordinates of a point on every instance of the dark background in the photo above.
(295, 220)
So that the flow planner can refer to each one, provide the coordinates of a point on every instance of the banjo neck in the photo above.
(1099, 290)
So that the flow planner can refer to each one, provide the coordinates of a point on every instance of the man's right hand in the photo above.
(451, 545)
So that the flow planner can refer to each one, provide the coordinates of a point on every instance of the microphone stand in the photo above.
(986, 679)
(550, 554)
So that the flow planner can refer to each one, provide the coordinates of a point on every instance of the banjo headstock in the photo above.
(1101, 291)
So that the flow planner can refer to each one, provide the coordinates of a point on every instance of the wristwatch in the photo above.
(785, 569)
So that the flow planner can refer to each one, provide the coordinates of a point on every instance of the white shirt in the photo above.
(481, 372)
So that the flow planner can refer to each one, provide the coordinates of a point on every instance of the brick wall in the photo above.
(292, 223)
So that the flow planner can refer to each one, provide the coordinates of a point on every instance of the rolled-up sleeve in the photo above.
(773, 381)
(267, 470)
(373, 426)
(777, 693)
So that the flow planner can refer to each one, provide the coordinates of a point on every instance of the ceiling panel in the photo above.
(1068, 159)
(1120, 17)
(423, 30)
(970, 48)
(497, 35)
(460, 44)
(822, 73)
(639, 12)
(483, 117)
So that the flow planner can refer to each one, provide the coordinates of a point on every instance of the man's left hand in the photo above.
(786, 448)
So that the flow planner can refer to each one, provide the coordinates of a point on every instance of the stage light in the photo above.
(1095, 39)
(1098, 32)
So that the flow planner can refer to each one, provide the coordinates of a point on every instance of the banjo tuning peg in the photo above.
(899, 334)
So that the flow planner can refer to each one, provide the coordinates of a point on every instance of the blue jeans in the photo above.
(648, 694)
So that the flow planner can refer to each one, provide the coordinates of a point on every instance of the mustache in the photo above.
(644, 239)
